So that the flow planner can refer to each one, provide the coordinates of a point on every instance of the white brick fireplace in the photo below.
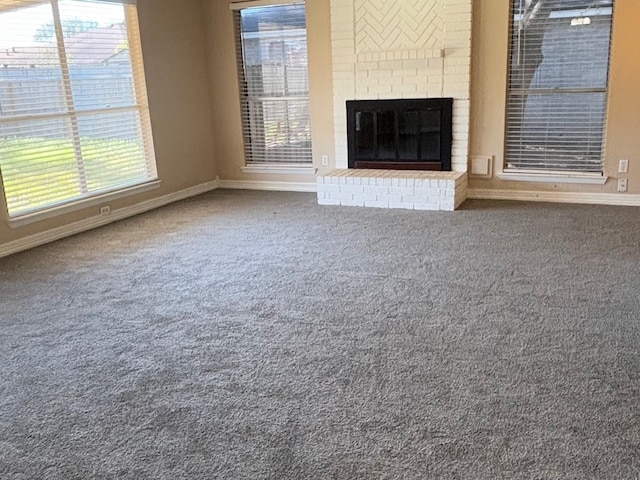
(391, 49)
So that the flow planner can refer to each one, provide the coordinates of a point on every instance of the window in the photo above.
(74, 121)
(274, 85)
(557, 93)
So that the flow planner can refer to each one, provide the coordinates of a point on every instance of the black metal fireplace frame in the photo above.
(442, 105)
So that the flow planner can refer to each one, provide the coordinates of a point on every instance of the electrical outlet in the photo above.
(622, 185)
(325, 160)
(106, 210)
(623, 166)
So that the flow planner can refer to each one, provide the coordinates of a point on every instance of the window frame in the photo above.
(253, 162)
(561, 174)
(140, 106)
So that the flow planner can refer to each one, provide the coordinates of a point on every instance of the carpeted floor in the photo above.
(255, 335)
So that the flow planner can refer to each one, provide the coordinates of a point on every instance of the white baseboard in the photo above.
(271, 186)
(624, 199)
(98, 221)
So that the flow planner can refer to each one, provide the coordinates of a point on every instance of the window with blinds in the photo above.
(557, 90)
(74, 119)
(274, 84)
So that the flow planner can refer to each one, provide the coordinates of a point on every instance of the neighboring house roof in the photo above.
(97, 46)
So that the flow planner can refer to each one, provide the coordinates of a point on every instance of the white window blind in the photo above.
(274, 85)
(557, 93)
(74, 119)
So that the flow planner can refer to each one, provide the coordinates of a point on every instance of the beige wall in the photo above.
(175, 52)
(489, 74)
(227, 133)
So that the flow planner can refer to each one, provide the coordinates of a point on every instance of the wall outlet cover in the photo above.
(481, 166)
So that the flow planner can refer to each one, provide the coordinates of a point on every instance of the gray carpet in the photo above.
(254, 335)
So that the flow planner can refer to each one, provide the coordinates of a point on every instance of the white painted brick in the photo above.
(352, 189)
(406, 91)
(342, 196)
(342, 35)
(329, 189)
(376, 204)
(405, 73)
(342, 67)
(386, 73)
(415, 64)
(406, 206)
(403, 191)
(390, 81)
(458, 7)
(390, 198)
(328, 201)
(415, 79)
(447, 205)
(366, 66)
(414, 198)
(435, 63)
(377, 190)
(390, 65)
(426, 206)
(379, 90)
(352, 203)
(344, 54)
(338, 43)
(460, 72)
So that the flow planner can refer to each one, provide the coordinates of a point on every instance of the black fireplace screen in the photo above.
(407, 134)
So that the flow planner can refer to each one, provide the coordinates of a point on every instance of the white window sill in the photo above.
(100, 199)
(280, 169)
(552, 177)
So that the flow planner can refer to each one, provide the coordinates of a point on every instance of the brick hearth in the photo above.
(393, 189)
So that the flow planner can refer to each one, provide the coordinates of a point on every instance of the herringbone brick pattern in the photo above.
(384, 25)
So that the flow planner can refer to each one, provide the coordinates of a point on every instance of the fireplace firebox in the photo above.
(404, 134)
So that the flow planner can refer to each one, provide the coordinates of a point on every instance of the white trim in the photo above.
(629, 200)
(74, 206)
(280, 169)
(98, 221)
(261, 3)
(271, 186)
(552, 177)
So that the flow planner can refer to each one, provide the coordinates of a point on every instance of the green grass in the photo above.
(38, 172)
